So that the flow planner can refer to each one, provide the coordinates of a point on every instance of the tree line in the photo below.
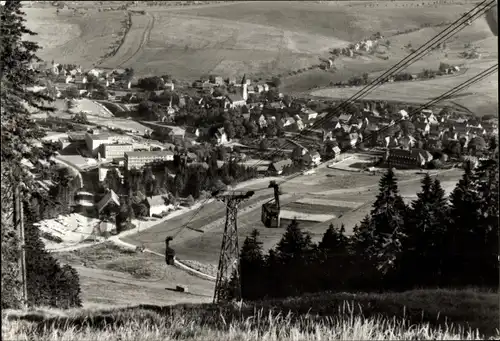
(48, 283)
(431, 243)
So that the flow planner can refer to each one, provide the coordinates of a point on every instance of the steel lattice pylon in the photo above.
(229, 260)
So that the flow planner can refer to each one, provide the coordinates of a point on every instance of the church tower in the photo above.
(244, 87)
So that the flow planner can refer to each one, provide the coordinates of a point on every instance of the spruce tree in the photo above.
(18, 133)
(382, 233)
(295, 254)
(334, 258)
(252, 267)
(462, 239)
(148, 181)
(113, 181)
(422, 246)
(48, 283)
(485, 178)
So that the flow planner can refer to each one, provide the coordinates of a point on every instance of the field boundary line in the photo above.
(129, 18)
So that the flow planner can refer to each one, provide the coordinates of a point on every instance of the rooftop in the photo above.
(158, 153)
(101, 136)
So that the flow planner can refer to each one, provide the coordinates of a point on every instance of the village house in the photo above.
(433, 144)
(299, 124)
(103, 171)
(277, 105)
(474, 124)
(391, 142)
(460, 130)
(193, 131)
(423, 128)
(298, 153)
(403, 114)
(109, 198)
(473, 131)
(288, 121)
(250, 90)
(346, 128)
(218, 80)
(221, 136)
(332, 125)
(311, 159)
(406, 142)
(237, 100)
(336, 151)
(400, 158)
(309, 114)
(345, 118)
(429, 116)
(473, 160)
(276, 168)
(169, 86)
(156, 205)
(205, 165)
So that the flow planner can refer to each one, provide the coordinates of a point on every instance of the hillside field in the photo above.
(81, 39)
(260, 38)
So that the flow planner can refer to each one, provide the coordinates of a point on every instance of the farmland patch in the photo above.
(329, 202)
(308, 208)
(289, 214)
(74, 38)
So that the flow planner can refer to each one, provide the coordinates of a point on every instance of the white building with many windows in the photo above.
(95, 141)
(116, 150)
(140, 159)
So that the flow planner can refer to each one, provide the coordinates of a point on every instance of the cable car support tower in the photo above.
(229, 261)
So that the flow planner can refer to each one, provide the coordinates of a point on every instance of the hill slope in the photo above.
(257, 38)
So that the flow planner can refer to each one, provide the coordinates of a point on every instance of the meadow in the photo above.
(414, 315)
(70, 38)
(108, 256)
(257, 38)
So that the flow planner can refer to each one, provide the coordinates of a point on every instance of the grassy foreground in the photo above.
(422, 315)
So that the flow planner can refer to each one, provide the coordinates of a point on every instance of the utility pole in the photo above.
(229, 261)
(19, 225)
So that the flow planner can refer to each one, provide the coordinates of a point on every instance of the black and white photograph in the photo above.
(249, 170)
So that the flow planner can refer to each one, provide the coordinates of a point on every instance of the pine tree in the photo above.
(334, 240)
(17, 135)
(148, 180)
(334, 259)
(294, 244)
(485, 180)
(113, 181)
(47, 282)
(252, 267)
(419, 263)
(295, 253)
(382, 232)
(179, 184)
(462, 239)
